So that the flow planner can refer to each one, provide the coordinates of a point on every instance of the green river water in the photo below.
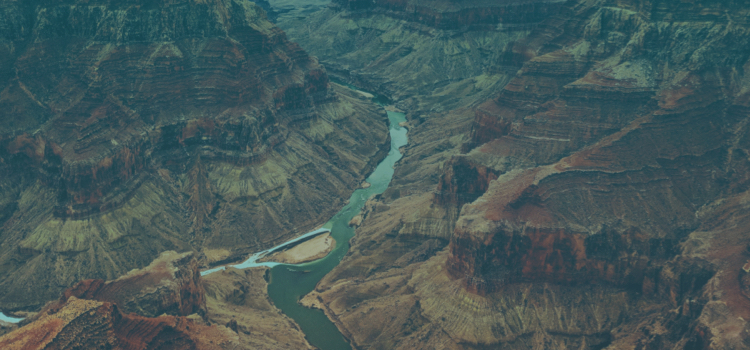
(290, 282)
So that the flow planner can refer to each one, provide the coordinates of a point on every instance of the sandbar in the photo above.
(311, 250)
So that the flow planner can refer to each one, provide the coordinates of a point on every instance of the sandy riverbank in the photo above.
(311, 250)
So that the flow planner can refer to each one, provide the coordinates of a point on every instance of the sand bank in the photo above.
(311, 250)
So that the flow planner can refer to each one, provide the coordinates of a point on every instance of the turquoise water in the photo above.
(9, 319)
(290, 282)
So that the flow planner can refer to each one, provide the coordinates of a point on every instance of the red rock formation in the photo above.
(462, 182)
(608, 156)
(88, 324)
(125, 313)
(171, 285)
(92, 109)
(121, 118)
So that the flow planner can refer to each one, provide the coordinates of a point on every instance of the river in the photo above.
(9, 319)
(289, 283)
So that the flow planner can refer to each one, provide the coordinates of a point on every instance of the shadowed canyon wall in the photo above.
(591, 200)
(128, 128)
(577, 173)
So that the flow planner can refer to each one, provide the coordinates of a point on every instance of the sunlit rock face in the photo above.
(171, 285)
(601, 185)
(133, 127)
(610, 142)
(145, 309)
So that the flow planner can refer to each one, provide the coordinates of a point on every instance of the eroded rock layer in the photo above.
(169, 285)
(166, 305)
(162, 306)
(89, 324)
(600, 185)
(133, 127)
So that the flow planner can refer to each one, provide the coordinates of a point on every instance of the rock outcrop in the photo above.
(166, 305)
(600, 185)
(129, 128)
(171, 285)
(145, 309)
(89, 324)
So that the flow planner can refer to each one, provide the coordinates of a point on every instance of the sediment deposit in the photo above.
(311, 250)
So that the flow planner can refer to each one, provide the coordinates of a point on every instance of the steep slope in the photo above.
(138, 311)
(437, 52)
(133, 127)
(239, 299)
(600, 192)
(435, 73)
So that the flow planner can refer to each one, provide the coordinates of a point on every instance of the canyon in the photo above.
(166, 305)
(577, 173)
(578, 187)
(132, 128)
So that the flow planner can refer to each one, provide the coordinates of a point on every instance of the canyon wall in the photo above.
(91, 314)
(133, 127)
(162, 306)
(594, 200)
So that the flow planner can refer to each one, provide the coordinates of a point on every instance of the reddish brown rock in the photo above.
(93, 324)
(600, 186)
(171, 285)
(130, 128)
(462, 182)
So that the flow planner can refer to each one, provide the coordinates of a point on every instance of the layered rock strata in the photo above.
(432, 55)
(90, 324)
(171, 285)
(131, 128)
(139, 311)
(603, 189)
(239, 299)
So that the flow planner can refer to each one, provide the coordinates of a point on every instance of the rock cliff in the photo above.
(162, 306)
(89, 324)
(169, 285)
(133, 127)
(594, 201)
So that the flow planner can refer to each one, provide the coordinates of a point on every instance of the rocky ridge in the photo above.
(132, 128)
(162, 306)
(599, 189)
(89, 315)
